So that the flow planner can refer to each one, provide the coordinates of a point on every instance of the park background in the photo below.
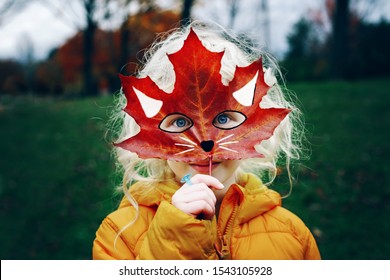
(57, 175)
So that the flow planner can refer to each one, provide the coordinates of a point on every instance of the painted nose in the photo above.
(207, 146)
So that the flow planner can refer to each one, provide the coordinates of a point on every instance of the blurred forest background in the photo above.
(57, 177)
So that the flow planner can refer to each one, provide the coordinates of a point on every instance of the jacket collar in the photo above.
(252, 197)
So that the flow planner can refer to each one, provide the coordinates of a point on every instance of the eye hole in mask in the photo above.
(229, 119)
(176, 123)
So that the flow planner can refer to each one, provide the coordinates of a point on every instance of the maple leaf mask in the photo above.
(201, 118)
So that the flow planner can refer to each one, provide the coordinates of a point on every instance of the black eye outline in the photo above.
(169, 123)
(236, 117)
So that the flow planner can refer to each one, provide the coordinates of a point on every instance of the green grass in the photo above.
(343, 192)
(57, 177)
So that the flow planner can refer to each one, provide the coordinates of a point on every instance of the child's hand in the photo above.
(198, 198)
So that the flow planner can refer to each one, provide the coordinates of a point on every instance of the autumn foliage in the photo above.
(108, 58)
(114, 51)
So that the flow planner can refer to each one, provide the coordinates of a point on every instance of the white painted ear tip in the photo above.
(244, 95)
(149, 105)
(269, 77)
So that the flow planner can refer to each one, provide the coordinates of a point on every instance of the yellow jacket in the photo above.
(251, 225)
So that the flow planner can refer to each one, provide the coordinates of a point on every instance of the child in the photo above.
(203, 115)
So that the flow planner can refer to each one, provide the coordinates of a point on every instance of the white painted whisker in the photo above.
(188, 140)
(220, 140)
(184, 145)
(186, 151)
(228, 149)
(227, 143)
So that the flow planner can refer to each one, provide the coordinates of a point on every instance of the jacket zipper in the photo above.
(224, 239)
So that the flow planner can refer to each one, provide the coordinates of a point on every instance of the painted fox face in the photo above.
(201, 118)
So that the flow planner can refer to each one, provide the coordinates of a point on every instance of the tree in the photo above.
(26, 56)
(234, 8)
(186, 11)
(95, 13)
(299, 39)
(354, 47)
(108, 57)
(340, 39)
(12, 78)
(368, 52)
(307, 55)
(89, 86)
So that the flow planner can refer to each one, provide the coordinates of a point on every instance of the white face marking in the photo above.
(220, 140)
(191, 146)
(150, 105)
(244, 95)
(188, 140)
(228, 149)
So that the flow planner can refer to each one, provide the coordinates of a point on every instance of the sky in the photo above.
(37, 25)
(41, 27)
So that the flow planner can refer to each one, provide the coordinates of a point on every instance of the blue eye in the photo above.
(229, 119)
(180, 122)
(223, 119)
(176, 123)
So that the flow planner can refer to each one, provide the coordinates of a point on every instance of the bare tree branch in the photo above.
(11, 7)
(233, 5)
(67, 14)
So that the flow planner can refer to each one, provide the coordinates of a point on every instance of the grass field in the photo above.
(57, 176)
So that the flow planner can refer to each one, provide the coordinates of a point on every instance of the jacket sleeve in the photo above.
(117, 236)
(108, 244)
(174, 234)
(312, 252)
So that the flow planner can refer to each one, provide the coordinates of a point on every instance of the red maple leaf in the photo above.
(201, 102)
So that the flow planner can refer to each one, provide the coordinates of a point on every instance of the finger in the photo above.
(199, 192)
(197, 207)
(210, 181)
(199, 195)
(201, 187)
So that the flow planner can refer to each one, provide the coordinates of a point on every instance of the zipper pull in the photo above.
(225, 250)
